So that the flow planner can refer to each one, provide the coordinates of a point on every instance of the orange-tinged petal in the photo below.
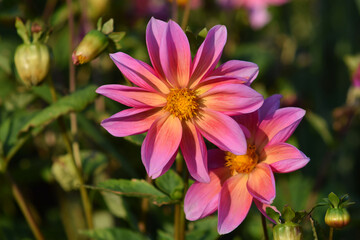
(161, 143)
(234, 203)
(261, 183)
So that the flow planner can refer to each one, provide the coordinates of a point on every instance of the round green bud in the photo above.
(287, 231)
(90, 47)
(337, 217)
(32, 61)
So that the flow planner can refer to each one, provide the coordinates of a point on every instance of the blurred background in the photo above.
(308, 51)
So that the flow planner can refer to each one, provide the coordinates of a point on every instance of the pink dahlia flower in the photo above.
(258, 13)
(237, 180)
(179, 100)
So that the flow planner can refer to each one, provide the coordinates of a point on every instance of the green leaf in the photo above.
(112, 234)
(203, 33)
(288, 214)
(320, 125)
(274, 215)
(96, 135)
(116, 38)
(299, 216)
(77, 101)
(204, 229)
(108, 27)
(118, 206)
(65, 172)
(136, 139)
(334, 199)
(172, 184)
(43, 91)
(134, 188)
(344, 198)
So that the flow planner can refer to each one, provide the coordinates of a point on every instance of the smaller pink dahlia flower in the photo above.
(237, 180)
(180, 100)
(258, 13)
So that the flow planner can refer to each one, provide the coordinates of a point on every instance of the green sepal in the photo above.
(273, 215)
(288, 214)
(99, 24)
(334, 200)
(108, 27)
(22, 30)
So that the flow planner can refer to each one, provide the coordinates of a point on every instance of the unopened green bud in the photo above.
(32, 61)
(287, 231)
(94, 43)
(337, 217)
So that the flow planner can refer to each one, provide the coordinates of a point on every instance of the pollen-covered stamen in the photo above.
(242, 163)
(182, 103)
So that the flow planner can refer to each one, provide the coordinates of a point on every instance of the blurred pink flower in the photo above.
(356, 78)
(237, 180)
(258, 13)
(179, 100)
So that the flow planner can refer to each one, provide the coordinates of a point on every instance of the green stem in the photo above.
(84, 196)
(174, 10)
(331, 233)
(186, 15)
(24, 208)
(179, 216)
(313, 228)
(263, 223)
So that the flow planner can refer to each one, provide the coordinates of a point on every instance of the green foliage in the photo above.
(134, 188)
(74, 102)
(171, 184)
(113, 234)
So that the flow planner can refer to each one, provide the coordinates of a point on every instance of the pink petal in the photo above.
(271, 104)
(208, 53)
(132, 96)
(262, 208)
(284, 158)
(131, 121)
(245, 72)
(194, 151)
(139, 73)
(234, 203)
(216, 158)
(222, 130)
(161, 143)
(279, 126)
(232, 99)
(250, 121)
(166, 167)
(154, 33)
(202, 198)
(175, 55)
(261, 184)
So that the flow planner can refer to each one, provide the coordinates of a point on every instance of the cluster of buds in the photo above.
(336, 215)
(287, 223)
(32, 58)
(96, 41)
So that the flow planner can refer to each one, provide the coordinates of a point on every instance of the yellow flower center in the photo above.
(242, 163)
(182, 103)
(81, 59)
(180, 2)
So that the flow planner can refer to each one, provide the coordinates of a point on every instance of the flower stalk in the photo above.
(25, 208)
(263, 223)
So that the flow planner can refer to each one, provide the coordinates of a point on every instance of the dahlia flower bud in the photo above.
(337, 217)
(287, 231)
(94, 43)
(32, 58)
(32, 62)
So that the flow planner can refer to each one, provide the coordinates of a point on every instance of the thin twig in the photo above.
(313, 228)
(263, 223)
(186, 15)
(174, 10)
(24, 208)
